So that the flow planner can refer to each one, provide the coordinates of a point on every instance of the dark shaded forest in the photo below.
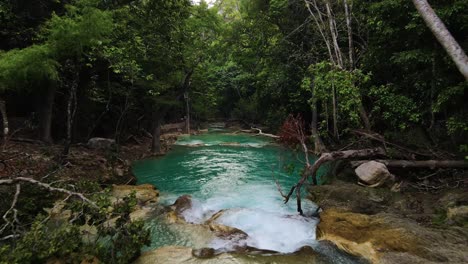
(72, 70)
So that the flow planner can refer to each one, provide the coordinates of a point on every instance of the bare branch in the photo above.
(48, 187)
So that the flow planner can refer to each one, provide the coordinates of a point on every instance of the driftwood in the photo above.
(311, 170)
(431, 164)
(263, 134)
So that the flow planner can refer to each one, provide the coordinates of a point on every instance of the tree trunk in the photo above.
(348, 12)
(156, 142)
(431, 164)
(186, 85)
(72, 104)
(321, 27)
(442, 34)
(335, 114)
(364, 117)
(334, 35)
(5, 120)
(319, 147)
(46, 113)
(187, 112)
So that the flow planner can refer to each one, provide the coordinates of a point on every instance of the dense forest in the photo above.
(72, 70)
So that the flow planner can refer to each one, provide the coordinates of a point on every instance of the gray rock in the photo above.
(100, 143)
(373, 173)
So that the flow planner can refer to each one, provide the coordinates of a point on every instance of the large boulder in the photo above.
(101, 143)
(373, 173)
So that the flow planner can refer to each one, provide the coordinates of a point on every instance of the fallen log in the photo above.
(311, 170)
(431, 164)
(264, 134)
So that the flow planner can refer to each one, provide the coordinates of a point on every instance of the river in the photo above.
(236, 173)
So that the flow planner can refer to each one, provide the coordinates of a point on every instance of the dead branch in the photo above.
(264, 134)
(47, 187)
(431, 164)
(12, 208)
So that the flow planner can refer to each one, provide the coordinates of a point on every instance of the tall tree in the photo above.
(442, 34)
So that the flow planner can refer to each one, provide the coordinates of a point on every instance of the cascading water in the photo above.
(234, 173)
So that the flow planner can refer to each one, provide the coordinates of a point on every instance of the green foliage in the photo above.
(20, 69)
(42, 242)
(67, 239)
(83, 27)
(397, 110)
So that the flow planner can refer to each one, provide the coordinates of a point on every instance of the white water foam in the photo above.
(256, 210)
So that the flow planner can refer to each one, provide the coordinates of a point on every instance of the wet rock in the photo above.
(182, 203)
(227, 232)
(215, 217)
(386, 238)
(373, 173)
(203, 252)
(172, 218)
(145, 193)
(100, 143)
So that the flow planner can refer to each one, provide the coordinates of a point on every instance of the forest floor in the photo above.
(105, 166)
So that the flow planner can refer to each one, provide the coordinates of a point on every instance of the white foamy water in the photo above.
(258, 211)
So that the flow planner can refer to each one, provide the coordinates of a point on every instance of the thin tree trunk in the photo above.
(319, 147)
(433, 87)
(321, 26)
(364, 117)
(5, 120)
(335, 117)
(334, 35)
(442, 34)
(71, 105)
(46, 113)
(187, 112)
(186, 85)
(156, 142)
(348, 12)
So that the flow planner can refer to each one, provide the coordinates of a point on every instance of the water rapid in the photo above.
(235, 173)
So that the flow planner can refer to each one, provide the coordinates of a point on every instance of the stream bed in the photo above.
(235, 173)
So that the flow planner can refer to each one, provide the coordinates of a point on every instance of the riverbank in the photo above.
(409, 226)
